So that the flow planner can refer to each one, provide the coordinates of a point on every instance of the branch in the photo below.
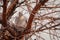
(48, 27)
(11, 9)
(4, 19)
(34, 11)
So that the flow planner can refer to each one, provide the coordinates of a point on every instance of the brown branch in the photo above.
(11, 8)
(51, 7)
(48, 27)
(4, 19)
(4, 16)
(34, 11)
(46, 17)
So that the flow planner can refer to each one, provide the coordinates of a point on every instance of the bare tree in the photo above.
(32, 19)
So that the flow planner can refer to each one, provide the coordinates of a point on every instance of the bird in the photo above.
(20, 22)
